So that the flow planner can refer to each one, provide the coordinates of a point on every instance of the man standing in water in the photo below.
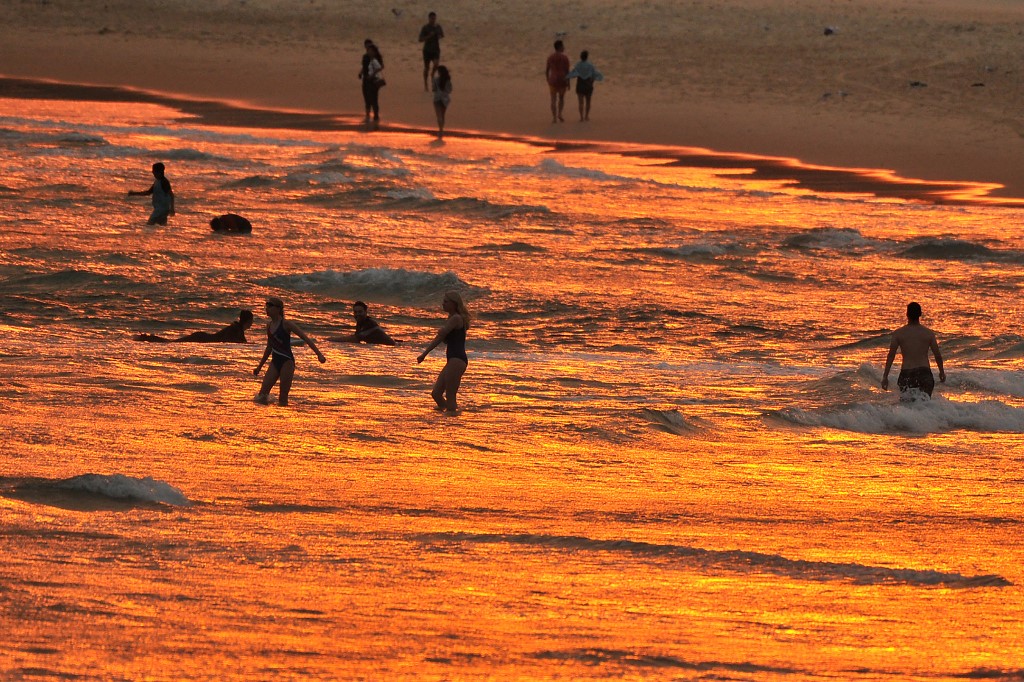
(913, 340)
(163, 197)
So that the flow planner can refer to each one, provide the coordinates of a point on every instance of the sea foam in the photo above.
(937, 415)
(381, 285)
(121, 487)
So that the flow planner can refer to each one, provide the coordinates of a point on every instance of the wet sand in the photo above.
(930, 91)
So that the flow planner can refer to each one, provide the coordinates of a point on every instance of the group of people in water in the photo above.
(913, 341)
(278, 350)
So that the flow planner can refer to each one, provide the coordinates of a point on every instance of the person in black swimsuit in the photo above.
(453, 334)
(233, 333)
(279, 344)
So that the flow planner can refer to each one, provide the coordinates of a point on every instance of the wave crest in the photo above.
(395, 286)
(735, 560)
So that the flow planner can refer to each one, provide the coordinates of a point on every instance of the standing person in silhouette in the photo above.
(442, 85)
(914, 340)
(430, 36)
(453, 334)
(163, 197)
(556, 70)
(585, 74)
(279, 344)
(371, 75)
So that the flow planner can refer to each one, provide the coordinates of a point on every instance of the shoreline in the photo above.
(928, 92)
(832, 179)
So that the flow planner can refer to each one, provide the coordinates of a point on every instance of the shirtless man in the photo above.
(913, 340)
(367, 329)
(555, 72)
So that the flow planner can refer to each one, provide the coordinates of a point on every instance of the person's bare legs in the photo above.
(561, 103)
(269, 379)
(586, 116)
(287, 373)
(439, 109)
(554, 105)
(580, 98)
(454, 369)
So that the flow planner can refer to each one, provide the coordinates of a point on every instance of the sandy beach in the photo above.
(929, 90)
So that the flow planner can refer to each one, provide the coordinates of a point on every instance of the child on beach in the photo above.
(163, 197)
(279, 344)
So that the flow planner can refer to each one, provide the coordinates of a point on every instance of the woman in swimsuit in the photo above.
(453, 334)
(279, 344)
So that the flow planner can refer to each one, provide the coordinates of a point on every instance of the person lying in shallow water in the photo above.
(233, 333)
(367, 329)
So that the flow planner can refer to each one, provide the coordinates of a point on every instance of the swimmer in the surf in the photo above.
(233, 333)
(914, 340)
(279, 344)
(230, 223)
(367, 329)
(163, 197)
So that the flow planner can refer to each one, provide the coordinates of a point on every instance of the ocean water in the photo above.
(673, 459)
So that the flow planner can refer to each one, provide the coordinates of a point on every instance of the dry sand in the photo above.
(748, 76)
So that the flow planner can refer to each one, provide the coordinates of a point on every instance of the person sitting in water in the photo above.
(229, 222)
(367, 329)
(914, 340)
(233, 333)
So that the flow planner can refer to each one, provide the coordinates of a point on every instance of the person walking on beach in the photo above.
(371, 74)
(233, 333)
(555, 72)
(442, 86)
(367, 329)
(430, 36)
(453, 334)
(279, 344)
(913, 340)
(585, 74)
(163, 197)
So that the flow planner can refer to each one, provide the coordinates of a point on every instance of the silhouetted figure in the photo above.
(163, 197)
(430, 36)
(367, 329)
(233, 333)
(372, 76)
(279, 344)
(913, 340)
(585, 74)
(230, 223)
(556, 70)
(442, 84)
(453, 335)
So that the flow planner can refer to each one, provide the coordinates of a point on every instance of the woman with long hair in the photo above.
(371, 73)
(279, 344)
(442, 84)
(453, 335)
